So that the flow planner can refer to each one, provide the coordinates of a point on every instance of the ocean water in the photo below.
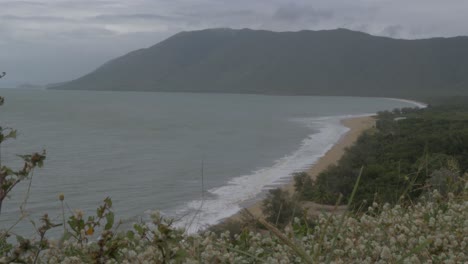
(178, 153)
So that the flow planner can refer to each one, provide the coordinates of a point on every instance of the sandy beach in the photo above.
(356, 126)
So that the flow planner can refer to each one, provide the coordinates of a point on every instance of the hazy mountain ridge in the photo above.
(328, 62)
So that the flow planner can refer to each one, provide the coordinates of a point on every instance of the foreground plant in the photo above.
(9, 177)
(433, 229)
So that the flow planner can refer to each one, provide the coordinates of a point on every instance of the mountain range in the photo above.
(326, 62)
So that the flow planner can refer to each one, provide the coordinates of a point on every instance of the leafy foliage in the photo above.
(430, 230)
(402, 156)
(302, 183)
(9, 177)
(279, 207)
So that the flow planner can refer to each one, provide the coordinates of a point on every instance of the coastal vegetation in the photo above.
(408, 151)
(421, 217)
(432, 229)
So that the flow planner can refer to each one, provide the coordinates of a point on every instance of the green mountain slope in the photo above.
(329, 62)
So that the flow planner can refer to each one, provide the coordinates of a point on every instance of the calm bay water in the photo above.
(146, 150)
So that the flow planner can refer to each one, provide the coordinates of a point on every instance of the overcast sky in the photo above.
(44, 41)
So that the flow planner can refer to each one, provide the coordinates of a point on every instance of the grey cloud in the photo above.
(217, 13)
(86, 4)
(205, 18)
(36, 18)
(197, 18)
(109, 28)
(127, 17)
(294, 13)
(392, 31)
(87, 33)
(8, 4)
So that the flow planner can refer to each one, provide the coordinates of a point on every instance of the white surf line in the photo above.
(416, 103)
(247, 187)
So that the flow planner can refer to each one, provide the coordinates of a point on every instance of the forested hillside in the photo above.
(328, 62)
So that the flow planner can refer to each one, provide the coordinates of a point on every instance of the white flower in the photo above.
(386, 253)
(79, 213)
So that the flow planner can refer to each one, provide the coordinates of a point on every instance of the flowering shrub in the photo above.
(433, 229)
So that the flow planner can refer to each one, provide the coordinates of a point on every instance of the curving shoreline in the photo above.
(356, 125)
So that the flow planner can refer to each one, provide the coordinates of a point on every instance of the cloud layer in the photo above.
(55, 40)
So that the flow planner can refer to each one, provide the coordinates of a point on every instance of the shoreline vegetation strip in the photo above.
(427, 223)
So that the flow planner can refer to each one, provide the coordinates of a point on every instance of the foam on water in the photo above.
(416, 103)
(228, 199)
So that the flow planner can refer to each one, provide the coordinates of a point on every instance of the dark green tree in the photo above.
(278, 207)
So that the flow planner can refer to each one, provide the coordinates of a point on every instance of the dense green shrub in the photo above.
(399, 157)
(303, 186)
(279, 208)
